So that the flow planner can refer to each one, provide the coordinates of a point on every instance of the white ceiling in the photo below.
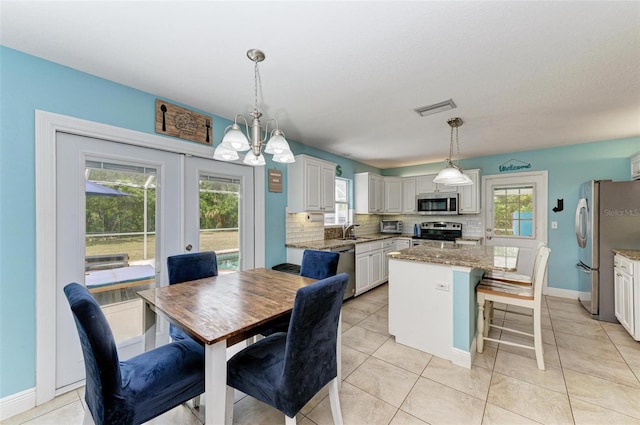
(345, 76)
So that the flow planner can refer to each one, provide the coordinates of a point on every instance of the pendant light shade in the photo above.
(452, 174)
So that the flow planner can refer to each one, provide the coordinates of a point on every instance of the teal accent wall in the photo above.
(568, 167)
(464, 307)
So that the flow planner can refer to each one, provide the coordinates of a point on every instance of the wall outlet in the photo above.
(442, 286)
(554, 224)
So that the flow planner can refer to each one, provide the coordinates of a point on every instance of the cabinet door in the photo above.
(409, 192)
(363, 274)
(328, 189)
(376, 267)
(392, 195)
(313, 184)
(385, 265)
(425, 184)
(623, 287)
(469, 195)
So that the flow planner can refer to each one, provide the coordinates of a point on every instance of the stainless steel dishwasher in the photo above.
(347, 264)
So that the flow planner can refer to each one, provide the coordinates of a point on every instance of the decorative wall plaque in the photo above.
(176, 121)
(275, 180)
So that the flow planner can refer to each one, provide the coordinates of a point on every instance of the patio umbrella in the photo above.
(92, 188)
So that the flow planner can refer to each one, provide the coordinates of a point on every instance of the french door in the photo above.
(121, 211)
(516, 213)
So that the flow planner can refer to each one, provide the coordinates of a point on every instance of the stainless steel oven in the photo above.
(437, 203)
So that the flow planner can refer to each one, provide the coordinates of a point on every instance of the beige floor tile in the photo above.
(526, 369)
(403, 418)
(358, 408)
(550, 352)
(305, 421)
(474, 381)
(43, 409)
(590, 346)
(363, 339)
(178, 415)
(617, 333)
(590, 414)
(436, 403)
(601, 392)
(487, 358)
(364, 305)
(630, 352)
(585, 329)
(494, 415)
(528, 400)
(250, 411)
(402, 356)
(379, 294)
(383, 380)
(547, 333)
(376, 323)
(68, 414)
(601, 367)
(352, 315)
(351, 359)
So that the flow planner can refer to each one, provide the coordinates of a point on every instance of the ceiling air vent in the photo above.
(435, 108)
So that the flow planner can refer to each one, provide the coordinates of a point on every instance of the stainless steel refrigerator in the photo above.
(607, 217)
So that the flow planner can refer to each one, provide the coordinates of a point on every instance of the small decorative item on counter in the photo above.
(416, 230)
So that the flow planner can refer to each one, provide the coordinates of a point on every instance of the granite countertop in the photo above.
(480, 257)
(338, 243)
(470, 238)
(631, 254)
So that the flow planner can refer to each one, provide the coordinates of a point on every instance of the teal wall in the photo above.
(568, 167)
(28, 83)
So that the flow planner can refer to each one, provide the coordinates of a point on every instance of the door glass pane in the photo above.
(219, 220)
(120, 234)
(513, 211)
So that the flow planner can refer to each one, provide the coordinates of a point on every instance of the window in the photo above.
(342, 214)
(513, 211)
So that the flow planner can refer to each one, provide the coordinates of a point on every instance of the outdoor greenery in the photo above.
(513, 211)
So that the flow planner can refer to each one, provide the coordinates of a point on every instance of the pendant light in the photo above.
(235, 140)
(452, 174)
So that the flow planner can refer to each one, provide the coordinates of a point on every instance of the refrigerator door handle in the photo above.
(583, 268)
(582, 218)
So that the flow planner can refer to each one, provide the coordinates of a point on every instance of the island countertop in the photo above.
(484, 257)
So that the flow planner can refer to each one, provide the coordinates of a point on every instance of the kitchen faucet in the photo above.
(346, 228)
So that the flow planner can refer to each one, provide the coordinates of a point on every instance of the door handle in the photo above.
(188, 247)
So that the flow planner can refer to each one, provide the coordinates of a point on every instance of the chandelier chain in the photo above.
(255, 84)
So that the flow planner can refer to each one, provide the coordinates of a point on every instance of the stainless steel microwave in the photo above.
(437, 203)
(391, 226)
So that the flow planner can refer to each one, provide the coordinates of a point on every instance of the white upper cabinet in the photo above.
(426, 185)
(368, 193)
(469, 196)
(310, 185)
(393, 195)
(409, 192)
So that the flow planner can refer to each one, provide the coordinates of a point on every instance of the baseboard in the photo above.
(562, 293)
(463, 358)
(17, 403)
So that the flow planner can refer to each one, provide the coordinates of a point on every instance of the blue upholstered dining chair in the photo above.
(138, 389)
(186, 267)
(285, 370)
(316, 265)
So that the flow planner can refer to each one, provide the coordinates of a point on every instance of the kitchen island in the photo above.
(432, 298)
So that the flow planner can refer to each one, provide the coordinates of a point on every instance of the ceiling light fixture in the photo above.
(452, 174)
(235, 140)
(435, 108)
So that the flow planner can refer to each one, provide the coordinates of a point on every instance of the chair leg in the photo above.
(488, 313)
(334, 398)
(537, 338)
(228, 415)
(196, 402)
(480, 333)
(289, 421)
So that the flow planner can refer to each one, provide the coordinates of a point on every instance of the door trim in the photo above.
(47, 124)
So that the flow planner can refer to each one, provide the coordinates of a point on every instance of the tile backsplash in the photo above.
(300, 230)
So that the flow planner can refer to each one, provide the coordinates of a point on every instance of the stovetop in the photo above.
(439, 231)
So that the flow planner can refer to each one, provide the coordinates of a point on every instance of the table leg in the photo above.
(215, 382)
(149, 327)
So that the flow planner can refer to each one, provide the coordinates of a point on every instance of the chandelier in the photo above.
(234, 140)
(452, 174)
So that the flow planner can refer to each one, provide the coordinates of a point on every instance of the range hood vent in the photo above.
(435, 108)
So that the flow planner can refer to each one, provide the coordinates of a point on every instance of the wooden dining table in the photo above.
(221, 311)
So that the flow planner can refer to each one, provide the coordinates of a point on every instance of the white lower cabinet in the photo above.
(627, 294)
(369, 266)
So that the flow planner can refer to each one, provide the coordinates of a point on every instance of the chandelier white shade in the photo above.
(452, 174)
(235, 140)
